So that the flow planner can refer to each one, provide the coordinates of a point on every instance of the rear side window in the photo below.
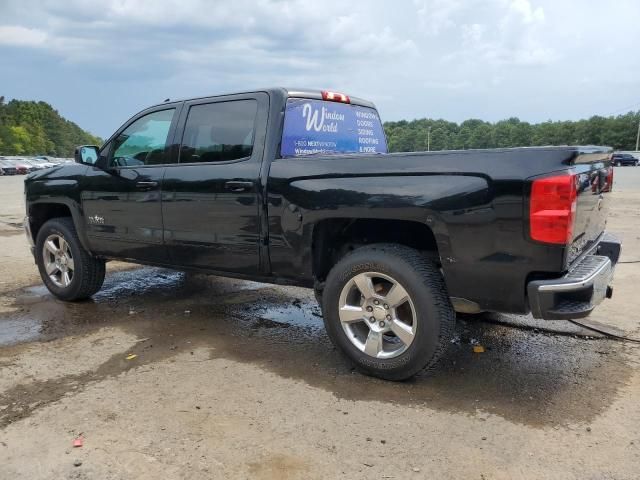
(321, 127)
(218, 132)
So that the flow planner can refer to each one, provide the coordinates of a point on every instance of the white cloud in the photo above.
(436, 16)
(519, 38)
(19, 36)
(71, 48)
(473, 34)
(435, 85)
(526, 11)
(449, 58)
(266, 29)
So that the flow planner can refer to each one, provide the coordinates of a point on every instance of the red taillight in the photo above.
(552, 209)
(335, 97)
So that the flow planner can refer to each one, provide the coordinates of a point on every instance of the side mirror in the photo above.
(86, 154)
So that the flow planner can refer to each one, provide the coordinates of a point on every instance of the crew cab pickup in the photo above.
(296, 187)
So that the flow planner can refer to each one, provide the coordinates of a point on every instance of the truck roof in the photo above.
(282, 92)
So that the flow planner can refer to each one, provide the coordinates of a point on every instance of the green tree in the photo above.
(618, 132)
(35, 128)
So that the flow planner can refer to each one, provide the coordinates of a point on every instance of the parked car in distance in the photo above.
(8, 168)
(42, 163)
(32, 164)
(296, 187)
(26, 164)
(21, 167)
(624, 160)
(52, 160)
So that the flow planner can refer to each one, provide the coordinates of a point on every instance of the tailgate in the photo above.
(594, 177)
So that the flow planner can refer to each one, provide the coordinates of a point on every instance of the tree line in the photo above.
(35, 128)
(618, 132)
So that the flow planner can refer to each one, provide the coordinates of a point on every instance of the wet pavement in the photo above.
(235, 379)
(527, 374)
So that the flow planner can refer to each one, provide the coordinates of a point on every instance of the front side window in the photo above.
(218, 132)
(144, 142)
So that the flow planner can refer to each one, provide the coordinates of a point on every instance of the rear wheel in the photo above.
(387, 308)
(67, 269)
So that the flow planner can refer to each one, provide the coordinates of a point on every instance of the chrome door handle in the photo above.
(238, 186)
(146, 185)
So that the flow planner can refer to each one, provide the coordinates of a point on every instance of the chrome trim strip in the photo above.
(563, 287)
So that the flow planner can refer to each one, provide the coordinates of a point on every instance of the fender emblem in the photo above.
(95, 220)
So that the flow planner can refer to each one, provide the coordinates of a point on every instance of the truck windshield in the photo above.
(321, 127)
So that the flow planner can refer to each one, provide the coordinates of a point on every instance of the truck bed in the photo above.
(475, 202)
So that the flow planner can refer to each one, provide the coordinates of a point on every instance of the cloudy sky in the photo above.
(98, 62)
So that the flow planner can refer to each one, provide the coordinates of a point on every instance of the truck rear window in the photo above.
(320, 127)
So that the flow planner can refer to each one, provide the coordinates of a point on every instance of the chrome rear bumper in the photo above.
(583, 288)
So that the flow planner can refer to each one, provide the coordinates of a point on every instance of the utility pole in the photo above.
(638, 137)
(429, 138)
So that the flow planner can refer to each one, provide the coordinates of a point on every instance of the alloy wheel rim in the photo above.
(377, 315)
(58, 260)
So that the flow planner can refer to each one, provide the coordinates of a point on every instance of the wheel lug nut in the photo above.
(376, 302)
(369, 309)
(388, 317)
(381, 324)
(386, 307)
(372, 319)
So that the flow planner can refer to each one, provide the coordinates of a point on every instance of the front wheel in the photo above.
(386, 307)
(67, 269)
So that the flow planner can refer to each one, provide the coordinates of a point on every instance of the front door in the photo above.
(210, 201)
(122, 202)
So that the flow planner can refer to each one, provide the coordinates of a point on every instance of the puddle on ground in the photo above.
(525, 375)
(305, 314)
(128, 293)
(18, 330)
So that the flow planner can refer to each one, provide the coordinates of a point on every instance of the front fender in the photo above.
(59, 187)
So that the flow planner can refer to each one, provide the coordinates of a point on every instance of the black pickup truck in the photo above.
(296, 187)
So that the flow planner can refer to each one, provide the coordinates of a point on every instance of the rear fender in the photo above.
(438, 201)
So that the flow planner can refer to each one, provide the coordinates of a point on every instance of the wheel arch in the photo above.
(39, 212)
(333, 238)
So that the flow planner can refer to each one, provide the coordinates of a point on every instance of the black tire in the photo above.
(425, 286)
(89, 271)
(318, 292)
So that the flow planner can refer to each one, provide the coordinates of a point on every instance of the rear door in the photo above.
(210, 199)
(121, 202)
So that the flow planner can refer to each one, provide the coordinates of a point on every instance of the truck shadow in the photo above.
(535, 378)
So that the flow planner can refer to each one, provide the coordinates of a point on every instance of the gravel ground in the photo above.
(236, 379)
